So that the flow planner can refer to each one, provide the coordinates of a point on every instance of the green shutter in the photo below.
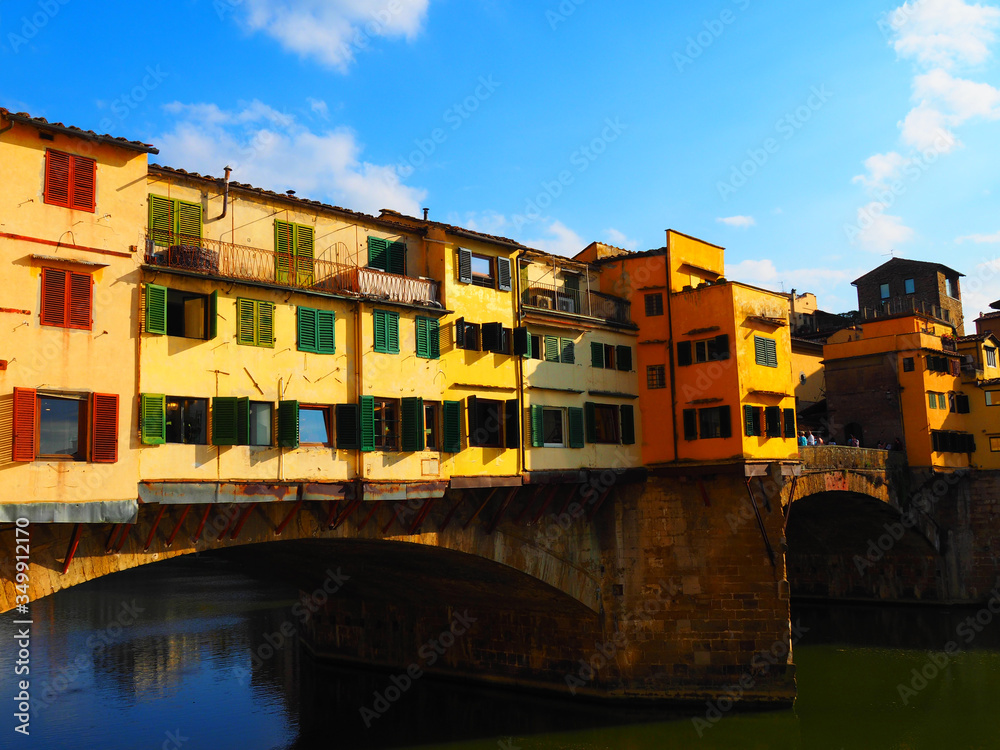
(596, 354)
(434, 334)
(748, 420)
(412, 424)
(503, 274)
(567, 352)
(161, 220)
(392, 330)
(537, 427)
(225, 413)
(367, 404)
(772, 353)
(789, 423)
(628, 424)
(246, 319)
(213, 315)
(765, 351)
(153, 418)
(288, 424)
(451, 417)
(326, 332)
(575, 414)
(590, 411)
(396, 258)
(307, 329)
(428, 338)
(623, 358)
(243, 421)
(551, 349)
(347, 426)
(283, 252)
(188, 221)
(423, 344)
(379, 333)
(378, 251)
(156, 309)
(265, 324)
(304, 255)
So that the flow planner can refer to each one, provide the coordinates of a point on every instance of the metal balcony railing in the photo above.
(577, 302)
(244, 263)
(903, 305)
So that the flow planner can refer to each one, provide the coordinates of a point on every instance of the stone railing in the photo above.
(822, 457)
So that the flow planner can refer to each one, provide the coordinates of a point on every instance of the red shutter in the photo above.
(80, 299)
(57, 183)
(83, 174)
(104, 428)
(54, 297)
(25, 416)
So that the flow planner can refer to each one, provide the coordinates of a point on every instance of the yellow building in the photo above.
(981, 390)
(714, 355)
(71, 203)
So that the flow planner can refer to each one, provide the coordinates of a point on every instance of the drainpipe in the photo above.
(358, 385)
(670, 347)
(522, 463)
(225, 193)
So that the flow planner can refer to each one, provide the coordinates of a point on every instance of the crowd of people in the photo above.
(806, 438)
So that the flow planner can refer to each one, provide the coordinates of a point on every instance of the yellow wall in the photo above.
(809, 365)
(690, 258)
(984, 418)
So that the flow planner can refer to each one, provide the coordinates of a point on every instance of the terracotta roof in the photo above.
(989, 316)
(907, 262)
(57, 127)
(452, 229)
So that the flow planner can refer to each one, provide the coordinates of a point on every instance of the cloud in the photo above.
(333, 31)
(944, 33)
(742, 222)
(273, 150)
(619, 239)
(979, 289)
(487, 222)
(764, 273)
(561, 240)
(319, 107)
(882, 169)
(879, 232)
(924, 129)
(980, 238)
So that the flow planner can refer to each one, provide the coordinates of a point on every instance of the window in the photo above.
(552, 428)
(412, 431)
(451, 426)
(932, 400)
(610, 424)
(654, 304)
(951, 287)
(255, 322)
(316, 331)
(485, 422)
(261, 420)
(605, 424)
(432, 432)
(993, 398)
(496, 338)
(386, 332)
(387, 256)
(772, 421)
(952, 442)
(314, 425)
(348, 426)
(995, 444)
(937, 364)
(752, 421)
(690, 424)
(715, 422)
(384, 424)
(712, 350)
(174, 222)
(909, 287)
(958, 403)
(766, 351)
(428, 338)
(559, 350)
(884, 291)
(186, 420)
(656, 376)
(623, 358)
(466, 335)
(536, 347)
(907, 364)
(66, 299)
(991, 356)
(52, 425)
(684, 357)
(173, 312)
(70, 181)
(478, 270)
(789, 419)
(294, 254)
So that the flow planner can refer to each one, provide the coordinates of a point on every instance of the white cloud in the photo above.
(487, 222)
(980, 238)
(924, 129)
(274, 151)
(561, 240)
(333, 31)
(979, 289)
(742, 222)
(878, 231)
(619, 239)
(882, 169)
(764, 273)
(319, 107)
(962, 98)
(944, 33)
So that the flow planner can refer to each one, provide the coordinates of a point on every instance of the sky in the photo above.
(813, 141)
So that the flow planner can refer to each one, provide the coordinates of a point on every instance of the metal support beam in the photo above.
(288, 519)
(348, 511)
(201, 526)
(511, 494)
(177, 527)
(152, 529)
(126, 529)
(760, 524)
(447, 518)
(535, 492)
(395, 515)
(545, 505)
(334, 506)
(476, 514)
(112, 538)
(421, 515)
(74, 542)
(243, 519)
(375, 506)
(599, 503)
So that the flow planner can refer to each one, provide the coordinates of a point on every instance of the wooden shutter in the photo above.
(473, 417)
(772, 353)
(396, 258)
(213, 315)
(722, 346)
(54, 287)
(161, 220)
(81, 294)
(460, 333)
(512, 424)
(304, 255)
(412, 424)
(725, 422)
(434, 337)
(225, 412)
(760, 350)
(156, 309)
(451, 417)
(596, 354)
(423, 344)
(789, 423)
(690, 424)
(567, 353)
(380, 332)
(536, 414)
(590, 412)
(243, 421)
(188, 217)
(748, 419)
(962, 402)
(492, 337)
(576, 431)
(772, 421)
(288, 424)
(551, 349)
(465, 266)
(348, 436)
(104, 428)
(153, 418)
(307, 329)
(57, 178)
(367, 405)
(25, 446)
(683, 353)
(84, 183)
(326, 332)
(265, 324)
(246, 321)
(628, 424)
(283, 251)
(522, 342)
(503, 274)
(392, 331)
(378, 251)
(623, 358)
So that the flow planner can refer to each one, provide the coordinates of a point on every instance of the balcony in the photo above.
(904, 306)
(571, 301)
(225, 260)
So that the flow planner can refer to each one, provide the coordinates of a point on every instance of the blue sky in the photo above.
(809, 139)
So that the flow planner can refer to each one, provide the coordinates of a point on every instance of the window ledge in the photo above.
(40, 259)
(613, 394)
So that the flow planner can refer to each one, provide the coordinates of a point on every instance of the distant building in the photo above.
(810, 323)
(989, 322)
(902, 286)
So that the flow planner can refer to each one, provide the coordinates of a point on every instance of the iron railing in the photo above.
(577, 302)
(903, 305)
(244, 263)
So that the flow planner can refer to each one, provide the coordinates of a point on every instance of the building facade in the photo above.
(902, 286)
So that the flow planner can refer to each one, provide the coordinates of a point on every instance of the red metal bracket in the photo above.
(152, 531)
(177, 527)
(428, 504)
(288, 519)
(74, 542)
(351, 507)
(375, 506)
(503, 509)
(243, 519)
(201, 526)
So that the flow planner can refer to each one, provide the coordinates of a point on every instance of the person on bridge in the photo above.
(810, 438)
(802, 438)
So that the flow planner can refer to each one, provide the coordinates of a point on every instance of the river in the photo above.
(161, 657)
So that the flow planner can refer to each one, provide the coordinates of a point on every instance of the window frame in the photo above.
(256, 307)
(80, 180)
(884, 291)
(432, 426)
(561, 415)
(990, 356)
(168, 400)
(480, 407)
(765, 351)
(909, 364)
(653, 303)
(82, 428)
(389, 343)
(485, 281)
(389, 437)
(988, 395)
(909, 286)
(97, 426)
(615, 421)
(64, 298)
(271, 431)
(656, 377)
(325, 411)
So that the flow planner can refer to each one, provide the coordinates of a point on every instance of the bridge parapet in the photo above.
(826, 457)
